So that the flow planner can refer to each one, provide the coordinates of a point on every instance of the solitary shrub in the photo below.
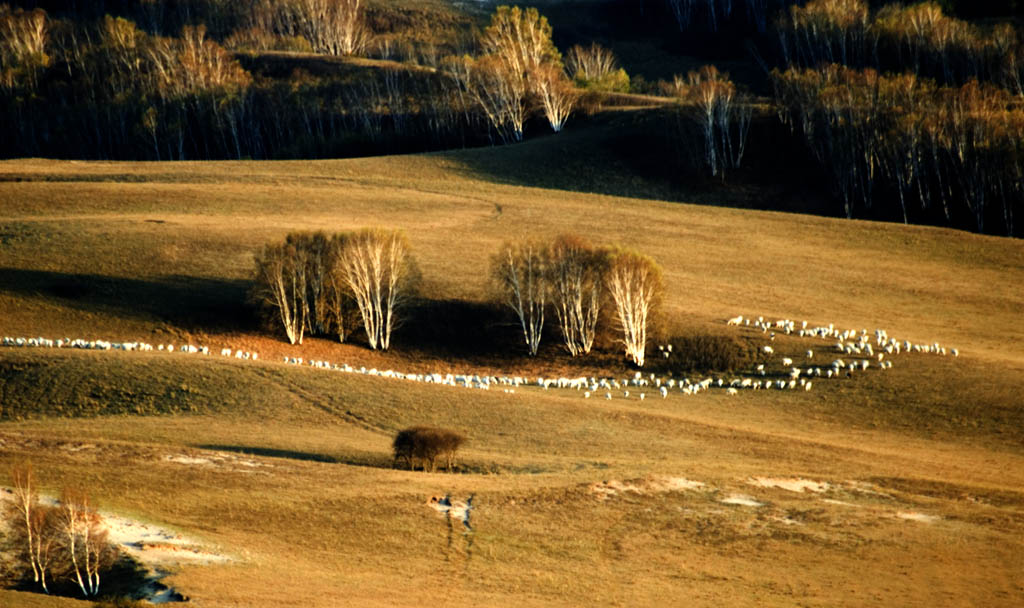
(425, 445)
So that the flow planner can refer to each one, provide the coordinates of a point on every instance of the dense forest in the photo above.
(912, 112)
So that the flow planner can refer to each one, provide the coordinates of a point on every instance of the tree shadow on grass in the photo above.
(377, 461)
(367, 460)
(191, 303)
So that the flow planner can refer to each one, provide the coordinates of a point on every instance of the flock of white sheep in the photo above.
(124, 346)
(862, 352)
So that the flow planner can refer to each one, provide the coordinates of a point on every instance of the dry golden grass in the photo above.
(161, 252)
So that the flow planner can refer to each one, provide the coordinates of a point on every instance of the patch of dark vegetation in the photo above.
(703, 353)
(452, 327)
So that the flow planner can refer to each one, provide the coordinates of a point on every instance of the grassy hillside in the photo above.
(925, 502)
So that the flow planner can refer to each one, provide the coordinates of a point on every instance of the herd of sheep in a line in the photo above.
(863, 351)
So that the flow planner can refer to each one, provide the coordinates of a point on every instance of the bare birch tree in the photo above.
(44, 549)
(634, 281)
(520, 275)
(73, 510)
(336, 296)
(25, 507)
(520, 40)
(280, 286)
(312, 249)
(84, 539)
(556, 94)
(378, 271)
(498, 93)
(722, 114)
(576, 276)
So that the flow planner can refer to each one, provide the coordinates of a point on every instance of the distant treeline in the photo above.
(909, 109)
(913, 114)
(109, 90)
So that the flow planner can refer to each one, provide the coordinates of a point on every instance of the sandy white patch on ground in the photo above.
(215, 459)
(915, 516)
(652, 485)
(866, 488)
(155, 546)
(833, 501)
(682, 483)
(181, 459)
(793, 484)
(742, 500)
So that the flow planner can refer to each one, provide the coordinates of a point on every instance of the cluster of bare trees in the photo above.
(869, 108)
(518, 71)
(62, 542)
(575, 279)
(311, 283)
(332, 27)
(954, 152)
(116, 84)
(114, 90)
(23, 41)
(721, 114)
(918, 38)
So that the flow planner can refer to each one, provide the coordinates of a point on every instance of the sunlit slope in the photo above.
(922, 462)
(124, 247)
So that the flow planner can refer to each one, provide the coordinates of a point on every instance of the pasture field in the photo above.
(902, 487)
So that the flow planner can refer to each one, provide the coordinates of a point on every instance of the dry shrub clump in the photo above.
(705, 352)
(426, 444)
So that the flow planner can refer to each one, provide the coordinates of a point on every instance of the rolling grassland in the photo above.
(902, 487)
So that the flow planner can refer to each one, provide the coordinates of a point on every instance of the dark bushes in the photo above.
(425, 444)
(704, 352)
